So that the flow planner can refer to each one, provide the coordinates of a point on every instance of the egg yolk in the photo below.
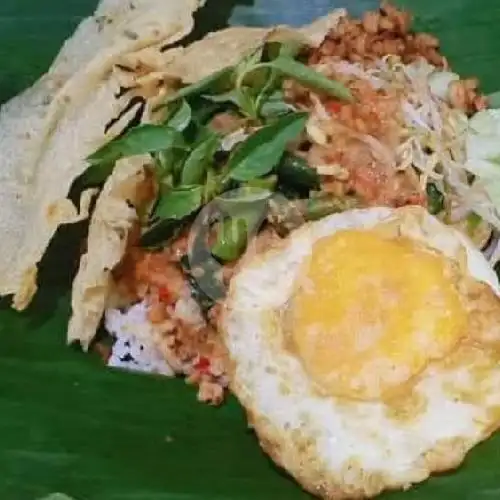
(370, 312)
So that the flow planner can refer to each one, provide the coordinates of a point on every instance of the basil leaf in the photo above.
(232, 96)
(258, 79)
(199, 160)
(240, 97)
(162, 231)
(253, 76)
(271, 86)
(275, 49)
(179, 203)
(310, 78)
(291, 48)
(204, 134)
(203, 111)
(139, 140)
(246, 65)
(268, 182)
(273, 109)
(274, 105)
(248, 105)
(261, 152)
(180, 118)
(219, 78)
(169, 163)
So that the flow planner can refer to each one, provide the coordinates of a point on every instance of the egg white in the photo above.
(343, 448)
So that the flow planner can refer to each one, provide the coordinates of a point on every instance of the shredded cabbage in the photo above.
(439, 83)
(442, 143)
(483, 154)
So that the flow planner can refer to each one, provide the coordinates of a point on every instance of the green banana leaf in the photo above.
(67, 424)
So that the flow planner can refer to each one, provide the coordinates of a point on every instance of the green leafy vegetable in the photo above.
(220, 78)
(253, 70)
(247, 103)
(180, 118)
(274, 49)
(269, 93)
(435, 199)
(232, 96)
(179, 202)
(169, 163)
(203, 134)
(274, 105)
(286, 65)
(173, 211)
(261, 152)
(240, 97)
(310, 78)
(203, 110)
(257, 77)
(199, 160)
(140, 140)
(162, 231)
(247, 65)
(267, 183)
(254, 82)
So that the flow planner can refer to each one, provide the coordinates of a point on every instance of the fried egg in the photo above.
(365, 350)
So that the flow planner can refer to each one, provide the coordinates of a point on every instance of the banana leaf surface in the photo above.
(70, 426)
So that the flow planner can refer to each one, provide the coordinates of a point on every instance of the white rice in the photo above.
(134, 348)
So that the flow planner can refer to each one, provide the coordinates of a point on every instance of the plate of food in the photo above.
(249, 250)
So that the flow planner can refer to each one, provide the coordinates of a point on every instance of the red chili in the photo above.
(164, 294)
(202, 365)
(333, 106)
